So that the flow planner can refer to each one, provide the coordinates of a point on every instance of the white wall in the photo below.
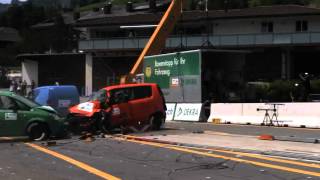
(30, 71)
(236, 26)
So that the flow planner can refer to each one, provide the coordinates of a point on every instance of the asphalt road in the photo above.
(123, 159)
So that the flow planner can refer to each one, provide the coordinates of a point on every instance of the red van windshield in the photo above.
(101, 96)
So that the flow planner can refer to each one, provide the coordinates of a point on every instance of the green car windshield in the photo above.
(26, 101)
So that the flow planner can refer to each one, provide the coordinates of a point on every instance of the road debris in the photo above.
(88, 137)
(51, 143)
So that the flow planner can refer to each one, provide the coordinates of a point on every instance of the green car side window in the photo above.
(7, 103)
(22, 106)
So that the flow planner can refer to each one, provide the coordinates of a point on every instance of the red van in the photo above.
(125, 105)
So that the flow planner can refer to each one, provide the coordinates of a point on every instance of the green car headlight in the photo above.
(55, 117)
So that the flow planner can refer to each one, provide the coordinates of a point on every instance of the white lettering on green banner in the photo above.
(177, 74)
(160, 68)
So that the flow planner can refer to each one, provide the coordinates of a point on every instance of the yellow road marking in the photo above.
(257, 156)
(278, 167)
(81, 165)
(219, 133)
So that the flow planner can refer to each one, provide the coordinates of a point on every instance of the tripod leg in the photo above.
(265, 119)
(276, 118)
(271, 121)
(268, 118)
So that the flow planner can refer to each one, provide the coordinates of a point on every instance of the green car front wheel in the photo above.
(38, 131)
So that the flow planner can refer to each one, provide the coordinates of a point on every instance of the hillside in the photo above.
(3, 7)
(46, 3)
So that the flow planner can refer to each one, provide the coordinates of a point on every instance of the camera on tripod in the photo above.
(267, 120)
(266, 109)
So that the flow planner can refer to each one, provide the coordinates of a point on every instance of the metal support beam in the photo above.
(88, 83)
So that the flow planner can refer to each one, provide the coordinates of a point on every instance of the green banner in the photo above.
(168, 70)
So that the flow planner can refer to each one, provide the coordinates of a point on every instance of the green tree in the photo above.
(315, 3)
(60, 37)
(15, 17)
(14, 1)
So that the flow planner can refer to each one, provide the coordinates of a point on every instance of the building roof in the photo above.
(48, 54)
(9, 34)
(119, 15)
(6, 93)
(122, 18)
(67, 18)
(120, 10)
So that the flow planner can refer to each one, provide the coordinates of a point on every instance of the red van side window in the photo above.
(141, 92)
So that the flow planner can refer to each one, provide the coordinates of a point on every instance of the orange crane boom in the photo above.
(158, 39)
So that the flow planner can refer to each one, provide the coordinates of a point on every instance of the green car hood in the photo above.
(47, 108)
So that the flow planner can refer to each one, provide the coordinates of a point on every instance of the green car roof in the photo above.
(26, 101)
(6, 93)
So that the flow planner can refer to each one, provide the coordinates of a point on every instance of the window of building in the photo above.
(101, 34)
(301, 26)
(267, 27)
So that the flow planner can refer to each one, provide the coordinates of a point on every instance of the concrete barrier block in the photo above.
(254, 120)
(225, 119)
(302, 121)
(289, 114)
(225, 111)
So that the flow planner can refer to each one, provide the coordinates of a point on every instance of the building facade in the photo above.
(259, 44)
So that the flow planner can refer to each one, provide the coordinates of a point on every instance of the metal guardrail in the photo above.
(199, 40)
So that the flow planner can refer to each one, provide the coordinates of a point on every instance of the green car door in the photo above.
(13, 116)
(6, 117)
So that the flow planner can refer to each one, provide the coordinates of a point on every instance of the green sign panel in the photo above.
(161, 68)
(174, 73)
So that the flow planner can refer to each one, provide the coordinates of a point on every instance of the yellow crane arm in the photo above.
(158, 39)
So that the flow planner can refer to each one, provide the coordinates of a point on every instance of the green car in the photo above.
(21, 117)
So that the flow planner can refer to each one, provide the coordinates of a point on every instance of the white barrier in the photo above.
(187, 112)
(226, 112)
(300, 114)
(183, 111)
(251, 115)
(171, 107)
(289, 114)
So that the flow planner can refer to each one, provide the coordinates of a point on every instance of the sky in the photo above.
(8, 1)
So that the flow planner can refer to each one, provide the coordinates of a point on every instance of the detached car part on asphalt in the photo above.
(20, 117)
(121, 106)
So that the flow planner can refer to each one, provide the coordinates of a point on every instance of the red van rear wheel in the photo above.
(156, 121)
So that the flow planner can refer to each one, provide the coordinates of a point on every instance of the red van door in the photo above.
(141, 104)
(120, 108)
